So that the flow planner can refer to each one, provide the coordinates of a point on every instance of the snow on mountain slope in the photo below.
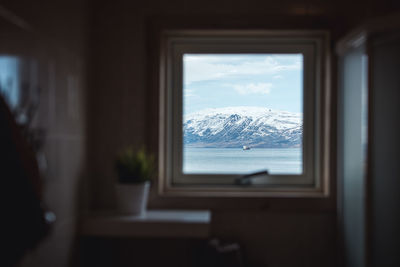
(238, 126)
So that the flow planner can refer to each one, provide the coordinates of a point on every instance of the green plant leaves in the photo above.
(134, 166)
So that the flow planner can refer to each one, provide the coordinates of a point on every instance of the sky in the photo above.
(273, 81)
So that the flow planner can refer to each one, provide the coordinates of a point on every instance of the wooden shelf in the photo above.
(155, 223)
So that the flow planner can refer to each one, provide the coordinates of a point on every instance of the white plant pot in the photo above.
(132, 198)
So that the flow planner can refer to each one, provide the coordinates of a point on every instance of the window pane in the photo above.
(242, 113)
(10, 80)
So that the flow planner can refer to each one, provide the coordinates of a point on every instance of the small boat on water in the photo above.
(246, 148)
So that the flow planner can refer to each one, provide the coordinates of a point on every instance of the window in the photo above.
(235, 103)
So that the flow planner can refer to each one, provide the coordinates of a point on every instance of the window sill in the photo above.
(303, 191)
(155, 223)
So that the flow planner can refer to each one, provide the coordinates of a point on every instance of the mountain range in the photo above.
(232, 127)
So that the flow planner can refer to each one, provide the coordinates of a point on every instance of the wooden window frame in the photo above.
(316, 91)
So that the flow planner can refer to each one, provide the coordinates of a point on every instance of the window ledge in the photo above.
(155, 223)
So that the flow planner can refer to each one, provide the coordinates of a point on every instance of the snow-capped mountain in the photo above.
(239, 126)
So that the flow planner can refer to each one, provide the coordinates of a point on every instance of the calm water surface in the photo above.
(237, 160)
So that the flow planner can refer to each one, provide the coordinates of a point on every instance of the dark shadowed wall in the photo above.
(124, 110)
(111, 45)
(49, 37)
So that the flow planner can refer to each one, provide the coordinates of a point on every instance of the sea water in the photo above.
(236, 160)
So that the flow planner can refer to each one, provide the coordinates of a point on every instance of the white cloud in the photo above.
(258, 88)
(210, 67)
(189, 93)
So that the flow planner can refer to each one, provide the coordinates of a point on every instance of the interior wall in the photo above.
(123, 102)
(123, 67)
(49, 36)
(385, 185)
(121, 109)
(124, 111)
(352, 156)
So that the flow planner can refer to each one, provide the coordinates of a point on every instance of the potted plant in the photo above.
(135, 170)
